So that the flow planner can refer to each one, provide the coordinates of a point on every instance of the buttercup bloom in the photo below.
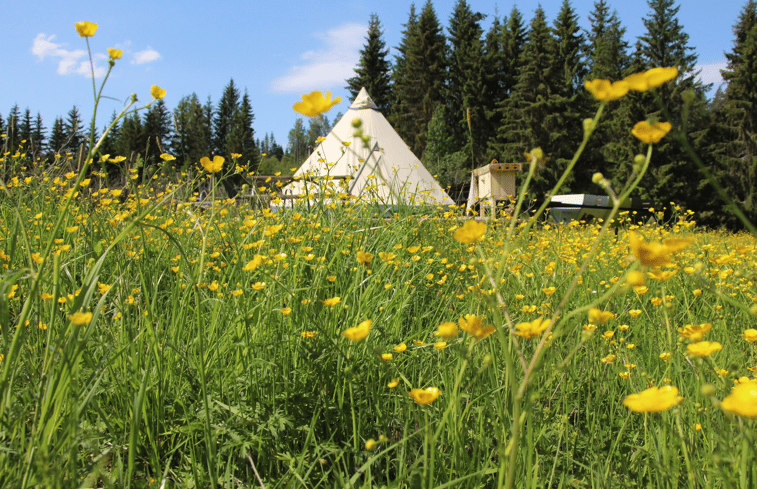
(532, 329)
(447, 330)
(86, 29)
(80, 318)
(212, 166)
(425, 396)
(332, 301)
(703, 348)
(315, 104)
(115, 53)
(157, 92)
(359, 332)
(605, 91)
(364, 258)
(474, 326)
(750, 335)
(651, 133)
(471, 231)
(652, 400)
(641, 82)
(597, 316)
(742, 400)
(655, 254)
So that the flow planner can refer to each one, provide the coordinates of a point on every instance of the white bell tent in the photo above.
(380, 170)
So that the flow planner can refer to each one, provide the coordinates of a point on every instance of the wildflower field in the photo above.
(148, 341)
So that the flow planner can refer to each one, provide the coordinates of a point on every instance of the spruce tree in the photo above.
(297, 148)
(25, 130)
(58, 139)
(241, 139)
(74, 130)
(157, 131)
(494, 78)
(529, 112)
(13, 138)
(38, 137)
(132, 137)
(224, 119)
(733, 137)
(374, 70)
(208, 112)
(189, 141)
(673, 175)
(420, 83)
(465, 96)
(405, 97)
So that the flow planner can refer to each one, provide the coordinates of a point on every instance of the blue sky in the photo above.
(276, 50)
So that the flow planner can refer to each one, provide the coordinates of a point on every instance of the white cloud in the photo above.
(146, 56)
(710, 73)
(326, 67)
(69, 62)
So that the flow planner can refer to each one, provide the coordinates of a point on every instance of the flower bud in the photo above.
(597, 178)
(588, 125)
(688, 96)
(708, 390)
(357, 123)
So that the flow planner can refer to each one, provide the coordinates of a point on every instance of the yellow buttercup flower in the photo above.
(400, 348)
(742, 400)
(314, 104)
(750, 335)
(656, 254)
(641, 82)
(167, 157)
(364, 258)
(651, 133)
(446, 330)
(332, 301)
(474, 326)
(115, 53)
(157, 92)
(653, 400)
(606, 91)
(532, 329)
(393, 383)
(80, 318)
(694, 332)
(703, 348)
(359, 332)
(471, 231)
(212, 166)
(597, 316)
(86, 29)
(425, 396)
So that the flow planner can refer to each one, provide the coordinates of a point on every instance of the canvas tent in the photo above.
(380, 170)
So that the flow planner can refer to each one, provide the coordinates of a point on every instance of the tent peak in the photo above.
(363, 101)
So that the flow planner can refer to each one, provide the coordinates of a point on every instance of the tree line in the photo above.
(462, 98)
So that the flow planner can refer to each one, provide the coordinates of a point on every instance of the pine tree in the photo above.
(156, 131)
(241, 139)
(38, 137)
(297, 148)
(224, 119)
(529, 114)
(673, 175)
(420, 81)
(74, 131)
(608, 51)
(733, 137)
(25, 130)
(512, 38)
(58, 139)
(466, 90)
(190, 141)
(13, 138)
(374, 70)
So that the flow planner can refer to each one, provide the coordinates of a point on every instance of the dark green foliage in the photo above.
(298, 142)
(241, 139)
(374, 70)
(440, 158)
(732, 134)
(132, 137)
(74, 131)
(58, 139)
(37, 140)
(466, 91)
(420, 76)
(224, 118)
(673, 175)
(11, 130)
(317, 127)
(190, 141)
(25, 129)
(157, 131)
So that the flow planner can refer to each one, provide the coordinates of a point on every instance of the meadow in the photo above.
(151, 342)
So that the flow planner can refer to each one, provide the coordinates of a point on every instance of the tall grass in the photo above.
(214, 353)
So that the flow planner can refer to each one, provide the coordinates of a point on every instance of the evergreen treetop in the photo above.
(374, 70)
